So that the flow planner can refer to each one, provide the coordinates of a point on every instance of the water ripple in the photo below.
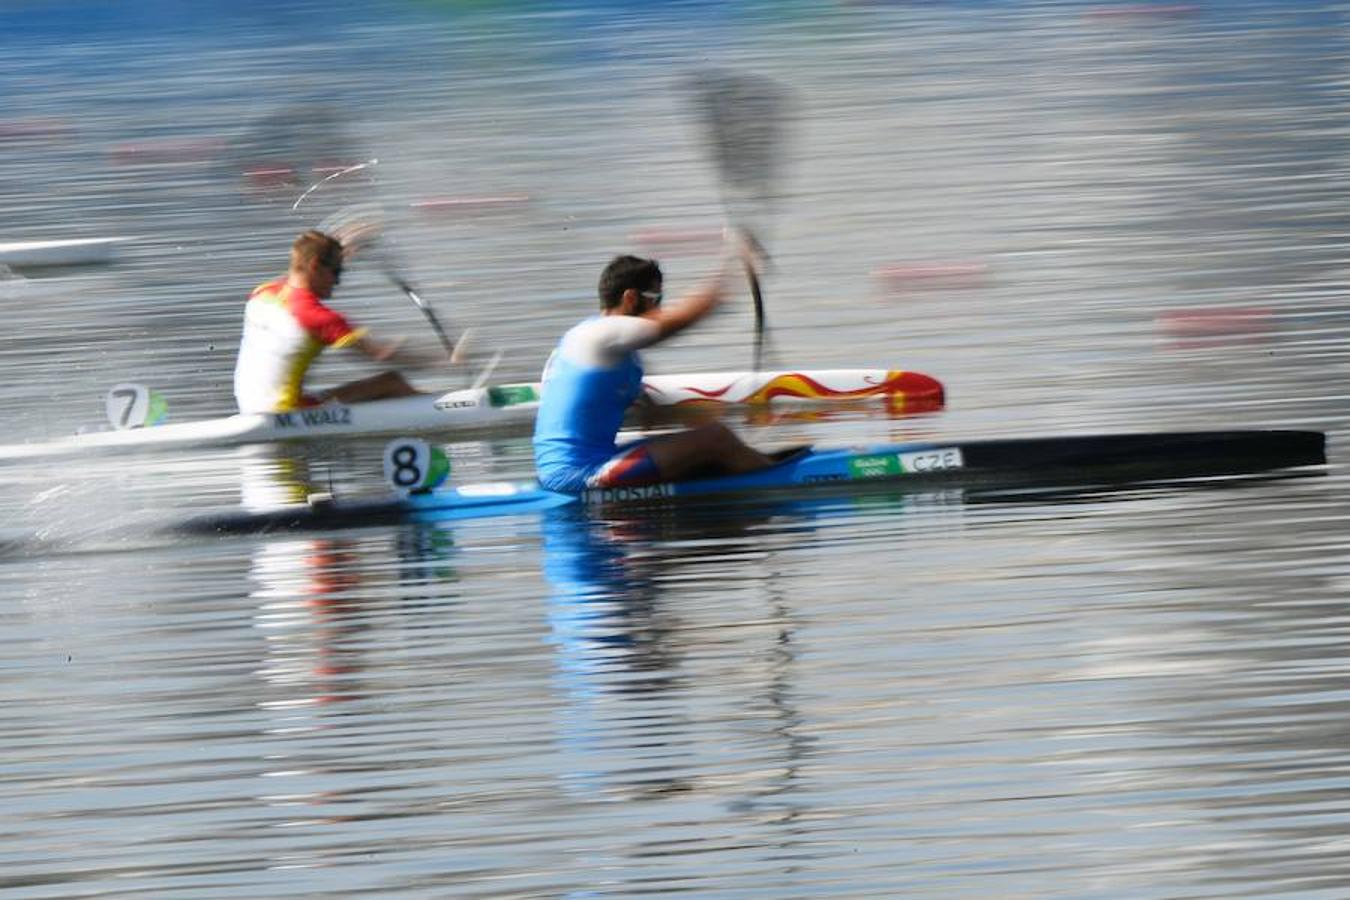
(1081, 217)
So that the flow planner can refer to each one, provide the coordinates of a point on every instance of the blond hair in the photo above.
(314, 246)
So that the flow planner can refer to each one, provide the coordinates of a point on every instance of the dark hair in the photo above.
(624, 272)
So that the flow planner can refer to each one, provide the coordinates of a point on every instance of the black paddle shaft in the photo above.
(421, 304)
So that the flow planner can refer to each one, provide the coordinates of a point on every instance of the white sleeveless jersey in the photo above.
(285, 329)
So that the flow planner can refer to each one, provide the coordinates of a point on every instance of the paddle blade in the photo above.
(745, 119)
(359, 226)
(459, 354)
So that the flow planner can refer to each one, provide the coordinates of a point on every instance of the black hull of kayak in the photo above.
(1079, 461)
(1190, 454)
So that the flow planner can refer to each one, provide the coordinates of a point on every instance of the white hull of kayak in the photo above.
(500, 406)
(72, 252)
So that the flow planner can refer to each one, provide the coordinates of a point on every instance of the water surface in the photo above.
(1082, 218)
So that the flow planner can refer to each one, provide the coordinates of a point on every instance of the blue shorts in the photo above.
(630, 466)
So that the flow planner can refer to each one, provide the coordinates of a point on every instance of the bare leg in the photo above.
(376, 387)
(711, 445)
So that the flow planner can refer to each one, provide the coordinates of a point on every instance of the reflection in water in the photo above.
(613, 640)
(335, 636)
(1134, 695)
(301, 589)
(628, 725)
(273, 475)
(312, 629)
(325, 644)
(303, 583)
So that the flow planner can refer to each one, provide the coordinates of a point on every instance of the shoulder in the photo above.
(269, 289)
(324, 322)
(307, 303)
(613, 333)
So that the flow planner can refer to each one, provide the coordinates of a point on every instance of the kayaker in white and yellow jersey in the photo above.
(287, 326)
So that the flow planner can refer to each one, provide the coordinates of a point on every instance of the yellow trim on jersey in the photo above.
(350, 338)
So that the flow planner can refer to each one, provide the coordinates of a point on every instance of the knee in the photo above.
(717, 434)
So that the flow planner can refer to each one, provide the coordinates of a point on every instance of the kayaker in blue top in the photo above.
(595, 374)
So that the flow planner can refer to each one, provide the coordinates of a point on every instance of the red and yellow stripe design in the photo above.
(902, 391)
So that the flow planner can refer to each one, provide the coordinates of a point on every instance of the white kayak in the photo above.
(475, 410)
(70, 252)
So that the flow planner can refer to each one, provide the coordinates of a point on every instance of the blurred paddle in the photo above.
(745, 119)
(360, 227)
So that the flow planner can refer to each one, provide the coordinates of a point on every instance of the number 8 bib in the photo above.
(412, 466)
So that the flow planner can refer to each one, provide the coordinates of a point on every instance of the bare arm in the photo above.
(395, 353)
(692, 306)
(379, 351)
(705, 298)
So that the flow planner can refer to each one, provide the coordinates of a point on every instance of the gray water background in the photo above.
(1131, 694)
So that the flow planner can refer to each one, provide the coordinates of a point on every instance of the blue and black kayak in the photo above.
(1077, 460)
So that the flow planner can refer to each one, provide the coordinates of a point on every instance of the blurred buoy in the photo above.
(333, 167)
(168, 150)
(1143, 11)
(1216, 322)
(931, 274)
(460, 205)
(269, 176)
(33, 129)
(664, 241)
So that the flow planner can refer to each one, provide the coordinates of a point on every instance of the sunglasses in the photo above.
(653, 297)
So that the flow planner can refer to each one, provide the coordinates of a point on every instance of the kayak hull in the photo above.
(1007, 463)
(506, 406)
(1127, 456)
(70, 252)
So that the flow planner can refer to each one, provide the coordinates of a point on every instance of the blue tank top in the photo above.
(580, 413)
